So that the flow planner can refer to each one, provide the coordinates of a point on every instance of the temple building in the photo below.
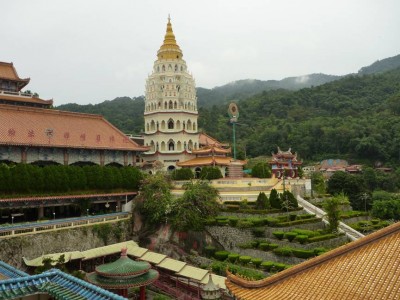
(10, 89)
(285, 164)
(170, 114)
(32, 132)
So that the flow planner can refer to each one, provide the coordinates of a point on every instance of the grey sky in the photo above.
(88, 51)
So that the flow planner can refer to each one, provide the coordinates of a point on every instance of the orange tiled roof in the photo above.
(7, 71)
(205, 139)
(29, 99)
(207, 161)
(368, 268)
(211, 149)
(54, 128)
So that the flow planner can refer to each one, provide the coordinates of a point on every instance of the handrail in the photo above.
(32, 228)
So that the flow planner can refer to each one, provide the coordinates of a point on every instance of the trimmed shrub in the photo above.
(297, 222)
(292, 217)
(233, 221)
(283, 251)
(271, 221)
(279, 234)
(182, 174)
(233, 257)
(319, 251)
(244, 224)
(272, 246)
(258, 231)
(209, 250)
(244, 259)
(264, 246)
(222, 222)
(290, 236)
(302, 239)
(305, 216)
(309, 233)
(256, 262)
(248, 245)
(300, 253)
(279, 267)
(210, 222)
(221, 255)
(256, 221)
(322, 237)
(267, 265)
(375, 221)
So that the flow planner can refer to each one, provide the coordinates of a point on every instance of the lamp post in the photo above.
(54, 215)
(12, 220)
(87, 212)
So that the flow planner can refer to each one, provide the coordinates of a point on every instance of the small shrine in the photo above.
(210, 291)
(123, 274)
(285, 164)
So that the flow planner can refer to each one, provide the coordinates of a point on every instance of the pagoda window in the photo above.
(158, 125)
(158, 69)
(179, 146)
(163, 125)
(185, 105)
(159, 104)
(152, 146)
(194, 126)
(170, 104)
(170, 124)
(163, 68)
(165, 104)
(178, 124)
(169, 68)
(162, 146)
(190, 145)
(195, 145)
(175, 104)
(157, 147)
(153, 125)
(184, 125)
(171, 145)
(176, 68)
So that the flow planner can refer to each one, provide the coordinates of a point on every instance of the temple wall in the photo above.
(45, 154)
(10, 153)
(114, 157)
(78, 239)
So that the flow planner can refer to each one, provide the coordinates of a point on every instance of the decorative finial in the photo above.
(124, 252)
(169, 18)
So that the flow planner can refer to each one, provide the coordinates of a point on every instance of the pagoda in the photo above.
(211, 156)
(123, 274)
(170, 114)
(284, 164)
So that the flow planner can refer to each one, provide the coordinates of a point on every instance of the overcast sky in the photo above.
(88, 51)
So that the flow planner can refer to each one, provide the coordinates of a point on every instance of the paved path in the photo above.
(312, 209)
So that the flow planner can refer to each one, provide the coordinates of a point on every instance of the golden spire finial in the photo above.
(169, 49)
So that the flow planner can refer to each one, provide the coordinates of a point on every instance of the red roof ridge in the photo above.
(373, 237)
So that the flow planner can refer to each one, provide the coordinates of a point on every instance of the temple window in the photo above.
(184, 145)
(163, 68)
(165, 104)
(152, 146)
(189, 125)
(170, 124)
(148, 127)
(153, 125)
(194, 126)
(176, 68)
(171, 145)
(184, 125)
(190, 145)
(195, 145)
(175, 104)
(170, 106)
(169, 68)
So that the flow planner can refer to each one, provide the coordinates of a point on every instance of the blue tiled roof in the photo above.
(55, 283)
(10, 272)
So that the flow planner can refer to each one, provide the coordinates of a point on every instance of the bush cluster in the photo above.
(26, 178)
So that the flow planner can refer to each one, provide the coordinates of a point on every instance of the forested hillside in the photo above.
(123, 112)
(357, 117)
(381, 66)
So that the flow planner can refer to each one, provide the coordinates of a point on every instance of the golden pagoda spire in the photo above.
(169, 49)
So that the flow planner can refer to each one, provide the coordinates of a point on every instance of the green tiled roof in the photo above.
(122, 282)
(124, 266)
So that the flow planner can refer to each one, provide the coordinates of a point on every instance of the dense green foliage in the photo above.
(261, 170)
(210, 173)
(355, 118)
(25, 178)
(182, 174)
(274, 199)
(332, 208)
(155, 198)
(262, 201)
(198, 203)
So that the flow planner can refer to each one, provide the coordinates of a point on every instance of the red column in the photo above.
(142, 293)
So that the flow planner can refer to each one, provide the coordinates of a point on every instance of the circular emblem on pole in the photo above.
(233, 112)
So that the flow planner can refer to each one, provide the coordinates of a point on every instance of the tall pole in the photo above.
(234, 141)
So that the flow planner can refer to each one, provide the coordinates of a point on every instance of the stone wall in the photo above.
(79, 239)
